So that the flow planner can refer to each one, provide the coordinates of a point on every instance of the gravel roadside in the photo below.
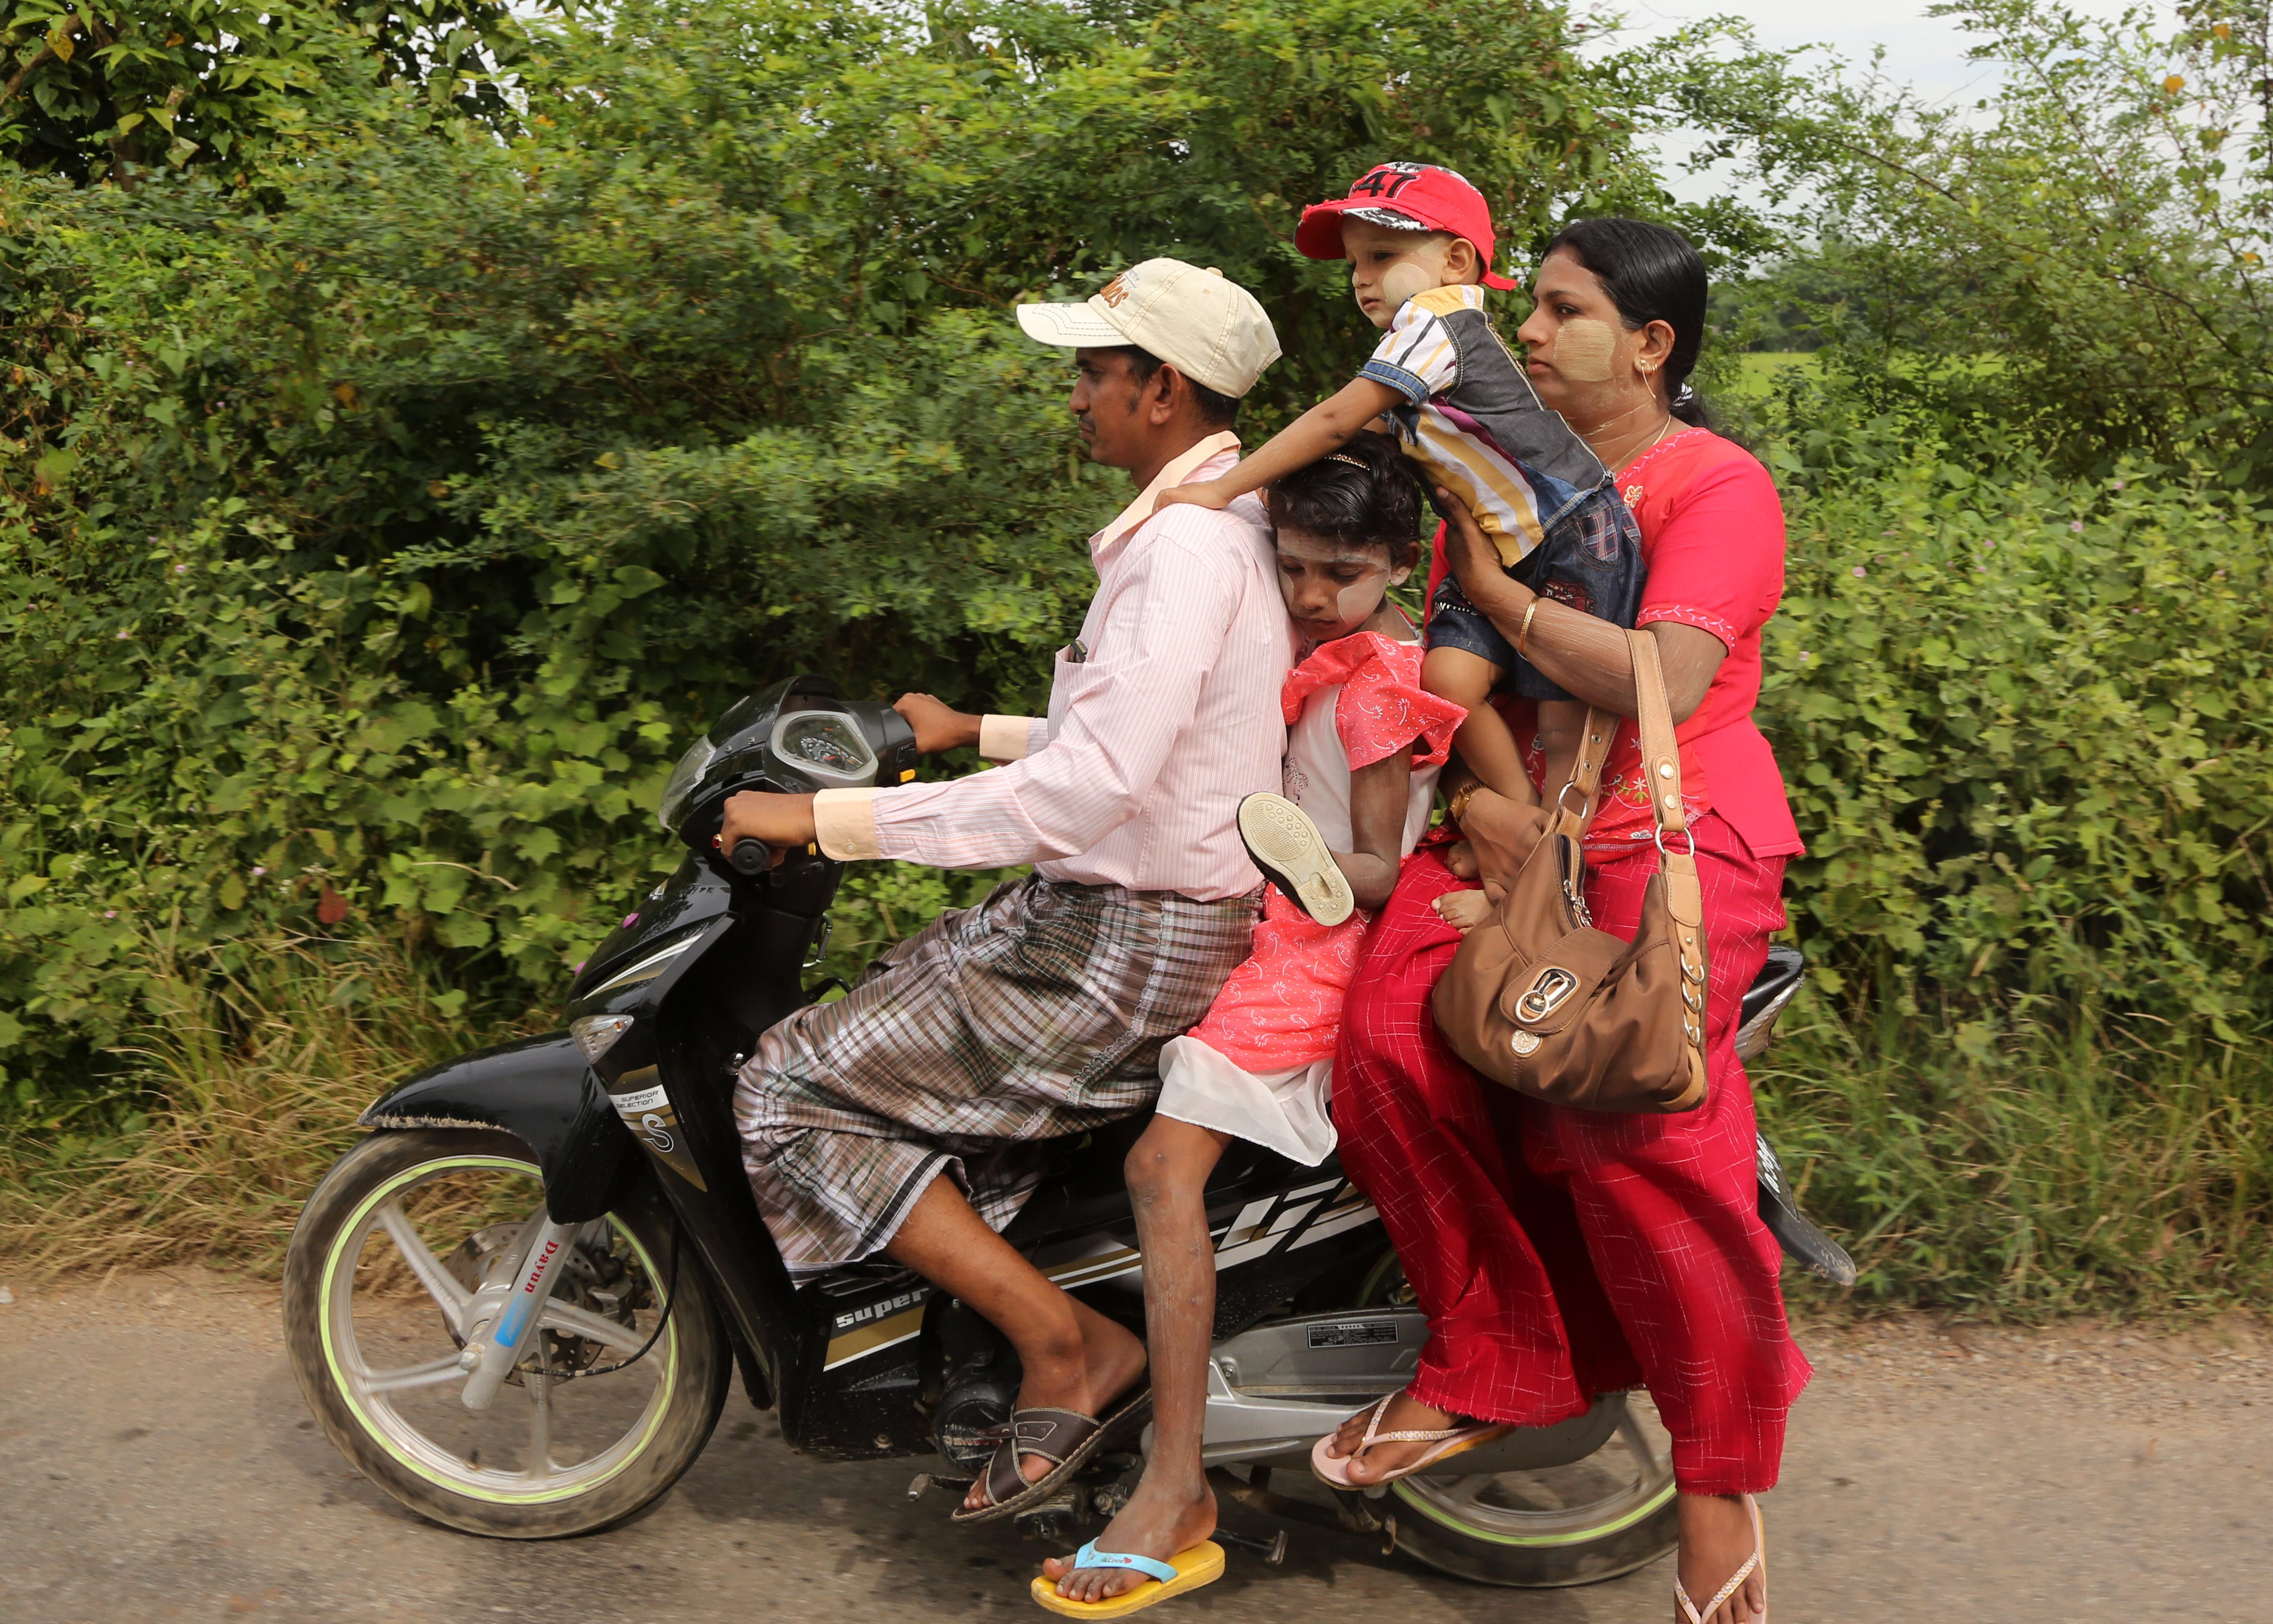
(157, 1464)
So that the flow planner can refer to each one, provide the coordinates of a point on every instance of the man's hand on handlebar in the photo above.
(937, 726)
(780, 823)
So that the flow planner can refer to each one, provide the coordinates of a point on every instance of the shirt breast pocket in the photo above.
(1072, 679)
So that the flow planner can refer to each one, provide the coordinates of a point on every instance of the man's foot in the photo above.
(1407, 1414)
(1156, 1522)
(1716, 1536)
(1110, 1360)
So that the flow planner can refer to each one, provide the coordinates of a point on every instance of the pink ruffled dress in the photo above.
(1260, 1066)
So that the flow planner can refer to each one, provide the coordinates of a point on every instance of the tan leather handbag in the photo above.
(1538, 999)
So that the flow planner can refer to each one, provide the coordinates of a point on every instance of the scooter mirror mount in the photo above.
(789, 740)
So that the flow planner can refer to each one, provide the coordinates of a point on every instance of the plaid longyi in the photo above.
(1038, 1013)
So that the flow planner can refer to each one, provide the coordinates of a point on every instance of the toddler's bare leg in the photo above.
(1484, 740)
(1561, 724)
(1173, 1509)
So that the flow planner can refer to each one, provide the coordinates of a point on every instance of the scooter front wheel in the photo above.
(615, 1397)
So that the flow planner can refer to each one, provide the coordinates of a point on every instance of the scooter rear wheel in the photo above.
(589, 1429)
(1593, 1519)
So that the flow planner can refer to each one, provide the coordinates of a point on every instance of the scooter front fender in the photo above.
(540, 1091)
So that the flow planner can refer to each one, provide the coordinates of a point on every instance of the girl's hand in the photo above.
(1207, 493)
(1475, 561)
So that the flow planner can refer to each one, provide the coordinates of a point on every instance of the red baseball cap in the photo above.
(1405, 196)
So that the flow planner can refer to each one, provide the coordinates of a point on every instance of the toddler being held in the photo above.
(1419, 240)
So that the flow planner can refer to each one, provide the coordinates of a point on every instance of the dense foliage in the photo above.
(387, 513)
(2077, 264)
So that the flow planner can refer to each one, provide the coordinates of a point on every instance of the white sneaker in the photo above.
(1287, 846)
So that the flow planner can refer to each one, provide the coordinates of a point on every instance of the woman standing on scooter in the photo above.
(1562, 1253)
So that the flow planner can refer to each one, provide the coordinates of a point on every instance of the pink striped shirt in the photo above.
(1136, 776)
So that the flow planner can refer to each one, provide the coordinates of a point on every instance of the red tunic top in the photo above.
(1712, 532)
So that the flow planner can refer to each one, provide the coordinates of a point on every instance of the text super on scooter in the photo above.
(518, 1304)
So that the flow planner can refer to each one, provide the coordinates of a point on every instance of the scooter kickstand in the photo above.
(1273, 1550)
(932, 1480)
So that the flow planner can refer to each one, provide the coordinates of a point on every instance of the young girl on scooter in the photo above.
(1364, 745)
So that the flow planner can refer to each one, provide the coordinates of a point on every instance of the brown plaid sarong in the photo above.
(1038, 1013)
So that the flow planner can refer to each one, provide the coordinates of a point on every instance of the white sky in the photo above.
(1925, 52)
(1928, 52)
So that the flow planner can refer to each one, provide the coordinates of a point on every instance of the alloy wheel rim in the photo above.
(1479, 1507)
(371, 1395)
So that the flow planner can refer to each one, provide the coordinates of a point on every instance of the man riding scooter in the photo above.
(1041, 1012)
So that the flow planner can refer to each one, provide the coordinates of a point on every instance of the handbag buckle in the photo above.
(1549, 992)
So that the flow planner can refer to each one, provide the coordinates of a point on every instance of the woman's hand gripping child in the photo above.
(1419, 242)
(1365, 742)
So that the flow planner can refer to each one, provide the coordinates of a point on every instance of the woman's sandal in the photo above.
(1450, 1440)
(1758, 1559)
(1065, 1438)
(1187, 1570)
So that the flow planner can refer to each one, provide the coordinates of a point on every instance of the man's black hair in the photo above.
(1218, 411)
(1364, 495)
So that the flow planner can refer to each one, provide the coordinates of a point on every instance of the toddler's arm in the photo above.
(1325, 427)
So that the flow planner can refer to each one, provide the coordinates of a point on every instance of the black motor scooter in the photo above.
(517, 1305)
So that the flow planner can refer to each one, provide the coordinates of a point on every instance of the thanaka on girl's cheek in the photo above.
(1332, 588)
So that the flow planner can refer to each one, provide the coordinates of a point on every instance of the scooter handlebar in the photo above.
(751, 856)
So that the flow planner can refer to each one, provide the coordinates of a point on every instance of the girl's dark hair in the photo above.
(1652, 272)
(1364, 495)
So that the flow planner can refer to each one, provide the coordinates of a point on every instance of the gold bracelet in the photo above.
(1457, 807)
(1523, 632)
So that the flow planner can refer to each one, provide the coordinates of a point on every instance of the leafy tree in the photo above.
(91, 90)
(379, 529)
(2079, 258)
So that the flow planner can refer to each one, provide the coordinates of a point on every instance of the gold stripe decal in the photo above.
(868, 1338)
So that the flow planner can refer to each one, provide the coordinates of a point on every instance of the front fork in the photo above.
(495, 1345)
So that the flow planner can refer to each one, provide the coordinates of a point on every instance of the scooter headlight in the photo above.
(684, 777)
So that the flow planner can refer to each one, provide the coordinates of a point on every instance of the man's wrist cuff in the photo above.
(844, 823)
(1004, 738)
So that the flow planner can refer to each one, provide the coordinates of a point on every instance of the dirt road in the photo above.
(157, 1464)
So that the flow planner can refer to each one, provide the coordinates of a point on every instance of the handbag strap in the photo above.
(1586, 774)
(1661, 752)
(1660, 766)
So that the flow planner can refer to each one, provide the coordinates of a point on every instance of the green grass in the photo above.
(2058, 1172)
(225, 1114)
(1756, 370)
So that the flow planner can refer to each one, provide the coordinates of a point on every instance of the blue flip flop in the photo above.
(1202, 1564)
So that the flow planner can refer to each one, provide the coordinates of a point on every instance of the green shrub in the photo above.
(380, 527)
(2022, 721)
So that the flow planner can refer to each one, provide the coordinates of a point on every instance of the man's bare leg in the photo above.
(1073, 1357)
(1173, 1509)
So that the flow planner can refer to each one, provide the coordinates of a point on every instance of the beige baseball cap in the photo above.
(1200, 322)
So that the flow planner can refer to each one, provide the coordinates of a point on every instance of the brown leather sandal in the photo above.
(1065, 1438)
